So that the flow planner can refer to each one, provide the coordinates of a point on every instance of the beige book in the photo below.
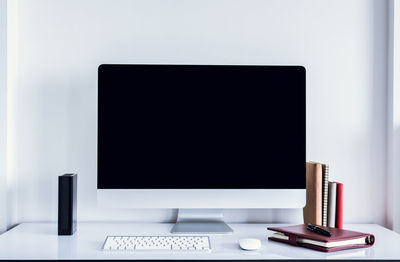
(312, 212)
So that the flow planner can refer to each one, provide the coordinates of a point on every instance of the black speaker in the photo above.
(67, 190)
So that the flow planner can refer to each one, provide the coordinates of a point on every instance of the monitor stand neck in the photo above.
(197, 221)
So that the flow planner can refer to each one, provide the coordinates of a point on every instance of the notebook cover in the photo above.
(339, 205)
(312, 212)
(337, 235)
(332, 205)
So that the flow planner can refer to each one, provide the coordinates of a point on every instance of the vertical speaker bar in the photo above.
(67, 198)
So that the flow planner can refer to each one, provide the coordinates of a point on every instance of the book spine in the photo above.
(312, 212)
(325, 177)
(339, 205)
(331, 204)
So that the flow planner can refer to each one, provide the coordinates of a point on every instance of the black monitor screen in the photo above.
(201, 127)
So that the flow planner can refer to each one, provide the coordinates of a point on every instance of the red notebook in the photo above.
(339, 205)
(340, 239)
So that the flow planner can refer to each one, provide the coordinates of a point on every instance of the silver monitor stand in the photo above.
(208, 221)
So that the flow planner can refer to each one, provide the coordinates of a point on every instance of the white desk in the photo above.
(40, 241)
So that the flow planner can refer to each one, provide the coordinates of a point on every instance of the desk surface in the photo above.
(40, 241)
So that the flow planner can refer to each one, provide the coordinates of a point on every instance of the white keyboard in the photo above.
(158, 243)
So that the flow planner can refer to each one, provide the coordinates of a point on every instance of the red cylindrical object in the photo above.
(339, 205)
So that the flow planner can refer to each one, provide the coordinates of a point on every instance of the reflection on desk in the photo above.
(40, 241)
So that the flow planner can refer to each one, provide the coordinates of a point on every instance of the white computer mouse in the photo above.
(250, 243)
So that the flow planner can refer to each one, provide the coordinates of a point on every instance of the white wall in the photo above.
(393, 116)
(3, 116)
(60, 44)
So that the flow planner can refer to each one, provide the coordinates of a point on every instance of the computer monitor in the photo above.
(201, 138)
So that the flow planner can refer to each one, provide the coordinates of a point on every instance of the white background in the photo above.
(58, 46)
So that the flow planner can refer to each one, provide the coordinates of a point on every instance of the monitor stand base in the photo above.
(201, 221)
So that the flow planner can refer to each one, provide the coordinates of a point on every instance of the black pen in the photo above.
(318, 230)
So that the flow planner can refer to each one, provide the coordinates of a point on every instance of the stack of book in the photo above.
(339, 239)
(324, 204)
